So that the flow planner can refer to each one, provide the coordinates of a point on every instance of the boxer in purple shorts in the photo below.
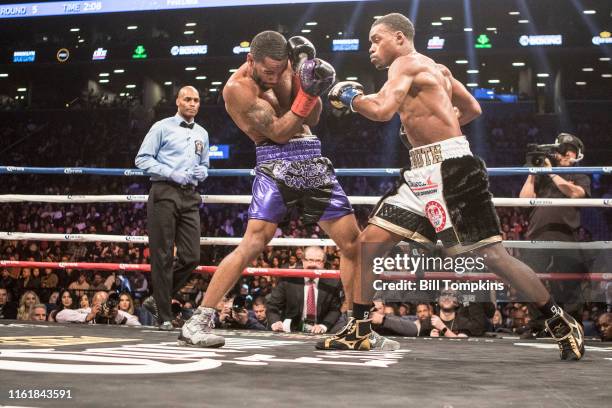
(296, 174)
(274, 98)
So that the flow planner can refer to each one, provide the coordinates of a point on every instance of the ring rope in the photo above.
(372, 172)
(246, 199)
(306, 273)
(142, 239)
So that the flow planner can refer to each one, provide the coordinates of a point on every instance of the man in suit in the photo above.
(313, 305)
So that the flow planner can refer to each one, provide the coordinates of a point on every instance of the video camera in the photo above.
(537, 154)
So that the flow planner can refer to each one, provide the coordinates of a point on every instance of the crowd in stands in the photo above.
(110, 138)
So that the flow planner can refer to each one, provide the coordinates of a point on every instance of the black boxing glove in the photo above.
(314, 77)
(342, 94)
(300, 49)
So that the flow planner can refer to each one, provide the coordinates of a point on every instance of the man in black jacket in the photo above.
(8, 310)
(313, 305)
(456, 320)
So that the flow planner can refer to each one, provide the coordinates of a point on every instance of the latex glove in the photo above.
(200, 172)
(179, 177)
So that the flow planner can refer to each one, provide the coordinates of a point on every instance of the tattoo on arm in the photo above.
(260, 118)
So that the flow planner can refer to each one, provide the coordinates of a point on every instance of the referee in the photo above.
(175, 152)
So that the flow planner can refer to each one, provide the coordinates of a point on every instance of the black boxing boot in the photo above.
(354, 336)
(568, 334)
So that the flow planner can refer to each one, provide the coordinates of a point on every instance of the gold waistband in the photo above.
(426, 156)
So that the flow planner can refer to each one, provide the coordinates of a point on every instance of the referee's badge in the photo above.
(199, 147)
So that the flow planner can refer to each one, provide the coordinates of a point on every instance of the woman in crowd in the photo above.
(126, 303)
(84, 301)
(26, 302)
(65, 301)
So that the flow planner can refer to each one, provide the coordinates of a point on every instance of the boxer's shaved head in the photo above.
(397, 22)
(269, 44)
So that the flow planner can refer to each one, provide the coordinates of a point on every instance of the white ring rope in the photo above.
(140, 239)
(246, 199)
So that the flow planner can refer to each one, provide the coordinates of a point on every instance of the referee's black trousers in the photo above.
(173, 219)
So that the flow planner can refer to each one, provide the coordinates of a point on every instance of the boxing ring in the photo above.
(266, 366)
(291, 242)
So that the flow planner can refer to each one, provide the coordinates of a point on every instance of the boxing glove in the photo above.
(300, 49)
(342, 94)
(314, 77)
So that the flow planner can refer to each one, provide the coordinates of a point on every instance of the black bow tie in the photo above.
(187, 125)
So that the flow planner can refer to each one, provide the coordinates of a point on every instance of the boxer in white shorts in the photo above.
(444, 195)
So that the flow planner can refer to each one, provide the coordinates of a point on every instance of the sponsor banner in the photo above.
(539, 40)
(178, 50)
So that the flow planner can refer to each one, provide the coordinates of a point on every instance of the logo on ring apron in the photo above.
(436, 215)
(199, 147)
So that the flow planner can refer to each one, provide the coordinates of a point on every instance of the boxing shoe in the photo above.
(357, 335)
(378, 342)
(197, 331)
(568, 334)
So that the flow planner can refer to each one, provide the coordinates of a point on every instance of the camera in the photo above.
(108, 309)
(537, 154)
(239, 304)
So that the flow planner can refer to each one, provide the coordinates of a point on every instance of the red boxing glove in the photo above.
(303, 103)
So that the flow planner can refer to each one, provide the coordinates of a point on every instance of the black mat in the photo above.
(119, 366)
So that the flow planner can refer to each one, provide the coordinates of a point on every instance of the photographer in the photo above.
(236, 316)
(104, 310)
(557, 223)
(568, 151)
